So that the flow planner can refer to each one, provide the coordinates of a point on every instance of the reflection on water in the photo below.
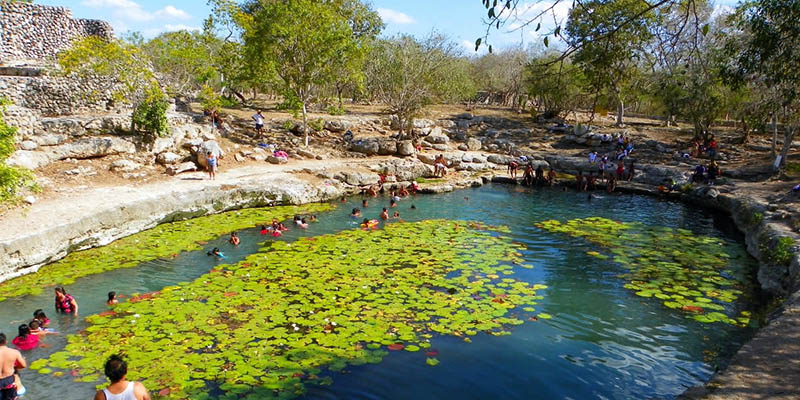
(603, 341)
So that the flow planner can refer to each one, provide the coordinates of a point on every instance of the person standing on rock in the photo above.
(120, 388)
(259, 118)
(212, 166)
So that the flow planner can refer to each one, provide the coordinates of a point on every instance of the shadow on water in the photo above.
(603, 341)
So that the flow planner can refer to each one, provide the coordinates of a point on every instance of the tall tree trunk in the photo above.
(620, 112)
(788, 136)
(305, 122)
(774, 135)
(339, 93)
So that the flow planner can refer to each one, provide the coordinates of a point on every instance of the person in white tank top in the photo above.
(120, 388)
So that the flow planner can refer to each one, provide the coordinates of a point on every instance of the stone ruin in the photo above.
(38, 32)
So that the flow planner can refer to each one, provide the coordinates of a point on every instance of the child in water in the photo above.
(39, 316)
(303, 224)
(264, 230)
(112, 299)
(364, 203)
(385, 214)
(356, 213)
(396, 215)
(38, 330)
(234, 240)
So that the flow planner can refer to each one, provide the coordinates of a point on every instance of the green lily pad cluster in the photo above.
(165, 240)
(273, 323)
(684, 271)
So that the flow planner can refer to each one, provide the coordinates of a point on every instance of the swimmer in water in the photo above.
(413, 207)
(264, 230)
(112, 299)
(364, 203)
(234, 240)
(216, 253)
(393, 203)
(385, 214)
(313, 218)
(356, 213)
(396, 215)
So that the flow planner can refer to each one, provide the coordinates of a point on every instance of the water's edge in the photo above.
(27, 252)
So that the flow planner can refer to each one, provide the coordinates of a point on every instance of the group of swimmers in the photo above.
(28, 338)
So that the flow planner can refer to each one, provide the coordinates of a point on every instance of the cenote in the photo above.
(493, 292)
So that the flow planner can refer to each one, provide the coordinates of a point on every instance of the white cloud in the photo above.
(133, 11)
(395, 17)
(172, 12)
(179, 27)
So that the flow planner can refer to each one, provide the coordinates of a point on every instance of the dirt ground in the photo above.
(60, 178)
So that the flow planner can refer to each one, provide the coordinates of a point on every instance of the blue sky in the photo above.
(459, 19)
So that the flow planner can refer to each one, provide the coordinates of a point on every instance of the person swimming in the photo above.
(313, 218)
(234, 240)
(385, 214)
(413, 207)
(369, 224)
(364, 203)
(216, 253)
(112, 299)
(303, 224)
(356, 213)
(393, 203)
(264, 230)
(396, 215)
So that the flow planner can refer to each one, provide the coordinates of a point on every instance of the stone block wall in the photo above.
(56, 95)
(39, 32)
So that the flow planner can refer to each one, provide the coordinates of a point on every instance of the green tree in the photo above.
(503, 74)
(407, 75)
(125, 71)
(556, 86)
(609, 60)
(769, 53)
(303, 43)
(183, 60)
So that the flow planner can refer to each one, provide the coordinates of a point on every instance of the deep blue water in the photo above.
(603, 341)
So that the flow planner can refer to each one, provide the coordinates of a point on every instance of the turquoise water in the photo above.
(603, 341)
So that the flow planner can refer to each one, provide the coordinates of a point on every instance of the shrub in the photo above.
(334, 110)
(151, 114)
(288, 125)
(12, 179)
(316, 125)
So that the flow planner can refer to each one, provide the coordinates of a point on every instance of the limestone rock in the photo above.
(440, 147)
(277, 160)
(437, 138)
(387, 147)
(49, 139)
(125, 166)
(474, 144)
(28, 145)
(405, 148)
(208, 146)
(180, 168)
(93, 147)
(30, 200)
(163, 144)
(338, 125)
(168, 158)
(307, 154)
(365, 146)
(29, 159)
(360, 178)
(426, 158)
(259, 154)
(463, 147)
(499, 159)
